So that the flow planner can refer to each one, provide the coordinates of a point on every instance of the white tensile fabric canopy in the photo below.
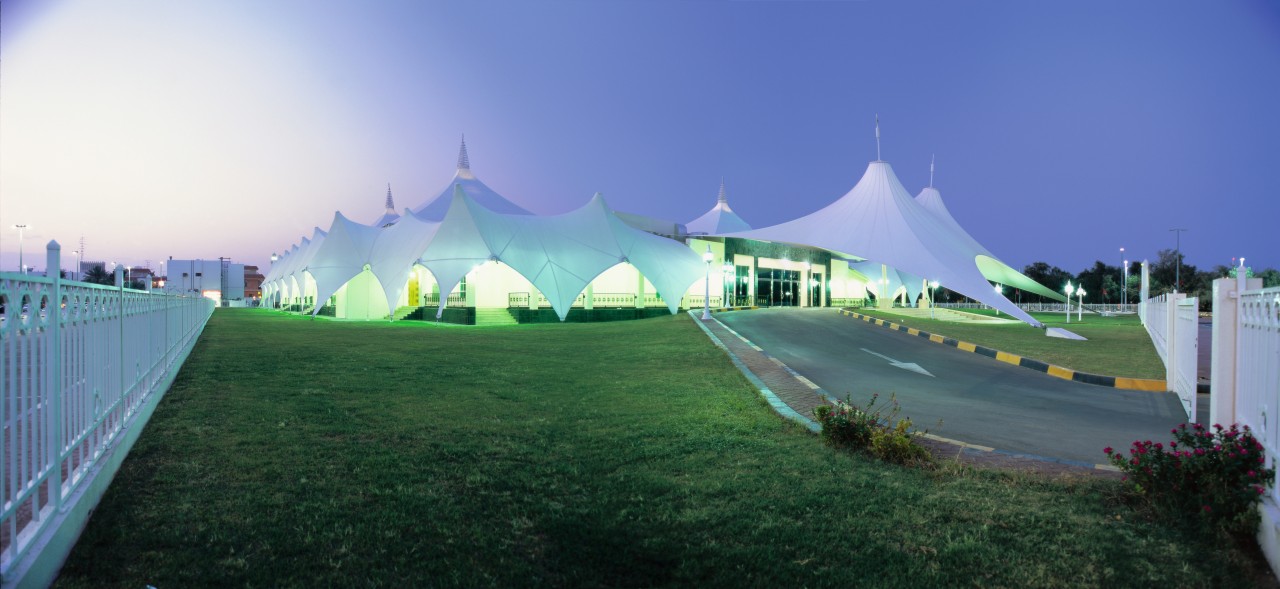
(992, 268)
(878, 220)
(560, 255)
(436, 208)
(719, 220)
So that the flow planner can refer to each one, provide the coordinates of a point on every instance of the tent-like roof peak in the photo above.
(464, 162)
(435, 208)
(720, 219)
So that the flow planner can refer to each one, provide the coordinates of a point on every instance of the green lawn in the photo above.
(1116, 346)
(299, 453)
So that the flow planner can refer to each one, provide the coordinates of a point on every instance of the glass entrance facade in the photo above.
(777, 288)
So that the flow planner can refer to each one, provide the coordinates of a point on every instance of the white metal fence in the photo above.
(81, 368)
(1254, 380)
(1172, 322)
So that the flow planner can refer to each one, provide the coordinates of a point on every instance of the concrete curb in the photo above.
(1116, 382)
(778, 406)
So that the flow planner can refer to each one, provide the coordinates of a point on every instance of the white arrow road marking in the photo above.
(912, 366)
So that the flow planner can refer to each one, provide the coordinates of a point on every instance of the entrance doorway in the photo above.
(777, 288)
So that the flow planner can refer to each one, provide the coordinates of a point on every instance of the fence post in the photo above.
(1171, 339)
(53, 269)
(124, 407)
(1226, 318)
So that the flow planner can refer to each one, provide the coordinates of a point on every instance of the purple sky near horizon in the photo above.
(1062, 131)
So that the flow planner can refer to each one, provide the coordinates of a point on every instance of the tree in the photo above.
(99, 275)
(1052, 277)
(1169, 266)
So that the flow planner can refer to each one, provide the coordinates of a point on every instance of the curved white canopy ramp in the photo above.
(988, 264)
(897, 279)
(720, 219)
(879, 220)
(436, 208)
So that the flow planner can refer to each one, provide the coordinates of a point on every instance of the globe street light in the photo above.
(999, 291)
(706, 292)
(1070, 289)
(932, 303)
(1080, 309)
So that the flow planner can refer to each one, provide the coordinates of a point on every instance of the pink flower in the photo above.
(1107, 450)
(1207, 509)
(1251, 474)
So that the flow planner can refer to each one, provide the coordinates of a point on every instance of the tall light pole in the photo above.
(1069, 290)
(1177, 252)
(1121, 276)
(706, 293)
(999, 291)
(1125, 292)
(932, 303)
(21, 227)
(1079, 293)
(75, 274)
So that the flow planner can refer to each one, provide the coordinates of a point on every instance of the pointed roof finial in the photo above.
(932, 159)
(463, 162)
(391, 204)
(722, 199)
(877, 136)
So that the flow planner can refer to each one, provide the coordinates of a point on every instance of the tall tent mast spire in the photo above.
(878, 137)
(463, 162)
(722, 199)
(391, 204)
(931, 160)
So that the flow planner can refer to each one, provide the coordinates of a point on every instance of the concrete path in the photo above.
(981, 401)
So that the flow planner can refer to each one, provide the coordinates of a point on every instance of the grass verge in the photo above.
(1116, 346)
(297, 453)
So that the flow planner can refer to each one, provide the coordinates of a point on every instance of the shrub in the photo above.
(845, 425)
(1217, 476)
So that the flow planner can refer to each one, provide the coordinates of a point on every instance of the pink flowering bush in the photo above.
(1218, 476)
(848, 426)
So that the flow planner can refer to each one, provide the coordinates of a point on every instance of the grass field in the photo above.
(299, 453)
(1116, 346)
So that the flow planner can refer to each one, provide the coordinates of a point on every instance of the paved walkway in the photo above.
(795, 397)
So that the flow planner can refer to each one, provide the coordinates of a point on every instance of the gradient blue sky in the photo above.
(1063, 131)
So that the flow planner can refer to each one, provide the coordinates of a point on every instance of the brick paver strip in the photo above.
(801, 396)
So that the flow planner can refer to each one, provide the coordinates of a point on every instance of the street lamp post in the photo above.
(932, 303)
(999, 291)
(75, 274)
(1080, 308)
(1124, 291)
(727, 282)
(1177, 252)
(1070, 290)
(21, 228)
(1121, 277)
(706, 292)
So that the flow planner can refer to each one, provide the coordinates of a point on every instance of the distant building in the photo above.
(252, 283)
(219, 280)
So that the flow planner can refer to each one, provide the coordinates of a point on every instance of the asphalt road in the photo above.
(978, 399)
